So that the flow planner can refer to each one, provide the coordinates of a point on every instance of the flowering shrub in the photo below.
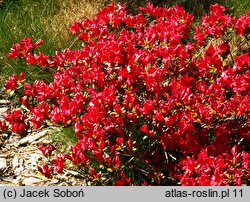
(149, 104)
(225, 169)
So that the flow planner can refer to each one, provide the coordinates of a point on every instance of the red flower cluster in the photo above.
(143, 99)
(17, 121)
(58, 162)
(46, 150)
(23, 48)
(242, 25)
(215, 24)
(226, 169)
(14, 82)
(45, 170)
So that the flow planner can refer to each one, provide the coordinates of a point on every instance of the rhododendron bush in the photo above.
(151, 100)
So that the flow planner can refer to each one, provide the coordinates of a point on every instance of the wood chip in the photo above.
(31, 181)
(63, 184)
(3, 110)
(15, 162)
(19, 170)
(4, 102)
(3, 164)
(73, 173)
(32, 138)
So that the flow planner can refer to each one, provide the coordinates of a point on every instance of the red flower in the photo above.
(15, 127)
(93, 175)
(3, 126)
(120, 141)
(75, 27)
(144, 128)
(17, 120)
(46, 170)
(23, 48)
(21, 128)
(13, 82)
(218, 9)
(59, 162)
(199, 36)
(46, 150)
(186, 181)
(30, 59)
(123, 181)
(84, 36)
(38, 43)
(242, 26)
(217, 178)
(42, 60)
